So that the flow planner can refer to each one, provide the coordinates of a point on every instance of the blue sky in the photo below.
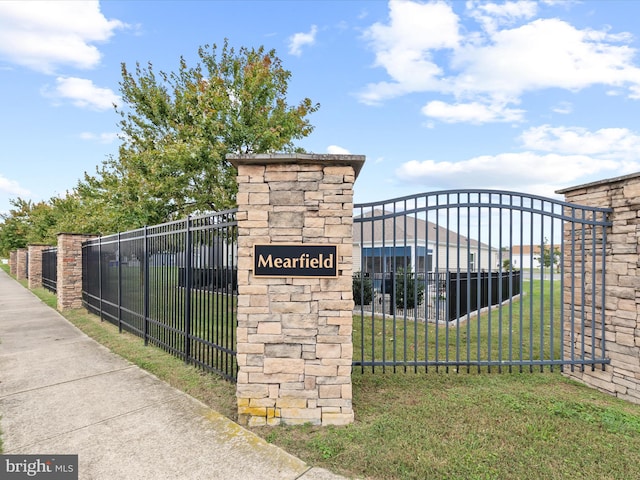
(525, 96)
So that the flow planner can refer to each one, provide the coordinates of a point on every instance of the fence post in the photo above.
(392, 292)
(13, 262)
(145, 289)
(35, 265)
(100, 275)
(615, 301)
(69, 266)
(187, 291)
(21, 264)
(294, 333)
(119, 260)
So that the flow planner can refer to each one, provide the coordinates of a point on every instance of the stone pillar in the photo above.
(622, 289)
(294, 333)
(13, 262)
(69, 285)
(35, 265)
(21, 264)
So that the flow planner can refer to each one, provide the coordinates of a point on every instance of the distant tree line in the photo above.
(175, 131)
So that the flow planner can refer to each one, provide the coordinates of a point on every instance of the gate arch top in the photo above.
(486, 198)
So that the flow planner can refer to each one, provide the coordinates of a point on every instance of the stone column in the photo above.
(35, 265)
(13, 262)
(294, 333)
(69, 285)
(21, 264)
(622, 289)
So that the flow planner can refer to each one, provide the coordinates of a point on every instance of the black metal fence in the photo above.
(478, 278)
(174, 285)
(434, 296)
(50, 269)
(474, 291)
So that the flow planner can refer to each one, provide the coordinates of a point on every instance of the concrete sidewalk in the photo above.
(63, 393)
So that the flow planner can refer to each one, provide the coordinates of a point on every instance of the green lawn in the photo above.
(524, 330)
(470, 426)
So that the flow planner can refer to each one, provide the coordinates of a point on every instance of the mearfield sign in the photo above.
(295, 260)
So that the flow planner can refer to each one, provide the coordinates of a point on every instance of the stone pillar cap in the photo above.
(599, 182)
(355, 161)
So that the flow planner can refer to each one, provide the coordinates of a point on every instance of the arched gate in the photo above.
(493, 280)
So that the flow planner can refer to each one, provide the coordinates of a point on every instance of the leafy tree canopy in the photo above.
(178, 127)
(26, 223)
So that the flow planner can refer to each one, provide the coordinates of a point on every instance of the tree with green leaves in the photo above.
(548, 257)
(40, 222)
(13, 234)
(27, 222)
(177, 129)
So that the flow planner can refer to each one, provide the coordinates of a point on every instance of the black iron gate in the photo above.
(478, 278)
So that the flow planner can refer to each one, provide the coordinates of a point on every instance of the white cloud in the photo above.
(423, 49)
(82, 93)
(564, 3)
(555, 157)
(105, 137)
(375, 93)
(509, 171)
(473, 112)
(12, 187)
(337, 150)
(617, 143)
(506, 12)
(43, 35)
(492, 15)
(404, 47)
(299, 40)
(416, 26)
(563, 108)
(546, 53)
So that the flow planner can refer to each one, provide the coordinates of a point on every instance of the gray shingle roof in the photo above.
(377, 226)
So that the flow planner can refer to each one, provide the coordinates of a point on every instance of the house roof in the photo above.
(385, 227)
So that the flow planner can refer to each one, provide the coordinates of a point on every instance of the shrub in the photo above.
(362, 289)
(406, 283)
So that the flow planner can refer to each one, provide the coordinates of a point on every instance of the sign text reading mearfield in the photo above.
(295, 260)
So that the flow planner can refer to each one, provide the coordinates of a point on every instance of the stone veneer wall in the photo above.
(294, 335)
(622, 290)
(69, 266)
(13, 262)
(21, 264)
(35, 265)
